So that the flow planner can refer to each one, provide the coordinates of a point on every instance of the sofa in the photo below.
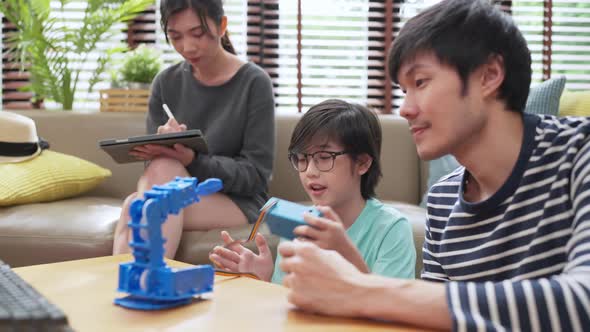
(82, 226)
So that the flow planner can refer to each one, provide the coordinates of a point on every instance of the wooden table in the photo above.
(85, 290)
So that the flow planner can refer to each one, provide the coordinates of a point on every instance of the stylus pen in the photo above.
(168, 112)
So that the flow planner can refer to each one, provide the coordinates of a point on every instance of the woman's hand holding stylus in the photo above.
(171, 126)
(179, 152)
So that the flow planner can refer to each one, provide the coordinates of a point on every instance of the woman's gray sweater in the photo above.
(237, 119)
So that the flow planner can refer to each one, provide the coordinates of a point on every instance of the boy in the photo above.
(335, 147)
(509, 232)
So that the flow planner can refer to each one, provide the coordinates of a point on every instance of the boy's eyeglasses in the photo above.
(323, 160)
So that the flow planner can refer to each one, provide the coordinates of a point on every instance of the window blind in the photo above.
(529, 16)
(383, 26)
(142, 29)
(569, 43)
(72, 15)
(319, 49)
(558, 34)
(13, 79)
(69, 16)
(323, 52)
(262, 36)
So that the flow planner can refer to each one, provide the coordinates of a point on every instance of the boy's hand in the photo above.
(237, 258)
(327, 232)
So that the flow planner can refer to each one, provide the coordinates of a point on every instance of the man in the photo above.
(508, 233)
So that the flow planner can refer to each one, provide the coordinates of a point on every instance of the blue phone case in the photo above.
(284, 216)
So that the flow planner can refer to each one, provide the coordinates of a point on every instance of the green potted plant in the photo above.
(139, 67)
(56, 50)
(131, 81)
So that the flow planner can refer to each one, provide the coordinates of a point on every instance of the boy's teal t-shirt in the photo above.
(384, 238)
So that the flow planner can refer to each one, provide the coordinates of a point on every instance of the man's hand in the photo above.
(236, 258)
(321, 280)
(179, 152)
(328, 233)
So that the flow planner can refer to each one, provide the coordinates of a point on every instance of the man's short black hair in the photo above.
(465, 34)
(353, 126)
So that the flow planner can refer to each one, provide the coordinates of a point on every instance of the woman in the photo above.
(231, 101)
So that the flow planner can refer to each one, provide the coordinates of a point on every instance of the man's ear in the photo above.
(493, 75)
(363, 162)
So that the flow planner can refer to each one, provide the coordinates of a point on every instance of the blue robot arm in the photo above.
(153, 285)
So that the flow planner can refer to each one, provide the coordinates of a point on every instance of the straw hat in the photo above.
(18, 138)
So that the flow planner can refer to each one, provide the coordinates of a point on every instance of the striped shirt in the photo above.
(519, 260)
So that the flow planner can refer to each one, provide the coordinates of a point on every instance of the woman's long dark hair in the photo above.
(203, 9)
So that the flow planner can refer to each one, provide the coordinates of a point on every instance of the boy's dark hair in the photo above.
(353, 126)
(203, 9)
(465, 34)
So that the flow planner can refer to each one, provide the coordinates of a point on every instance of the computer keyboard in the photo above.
(22, 308)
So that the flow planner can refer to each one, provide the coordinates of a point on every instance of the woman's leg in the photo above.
(213, 211)
(121, 240)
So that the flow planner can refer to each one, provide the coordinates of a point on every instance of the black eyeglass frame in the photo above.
(332, 154)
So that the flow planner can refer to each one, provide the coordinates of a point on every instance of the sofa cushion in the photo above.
(544, 98)
(48, 177)
(404, 179)
(417, 218)
(69, 229)
(83, 227)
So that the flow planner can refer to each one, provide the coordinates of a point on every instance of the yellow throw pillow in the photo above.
(575, 103)
(48, 177)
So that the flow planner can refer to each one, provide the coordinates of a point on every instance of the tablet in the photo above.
(119, 149)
